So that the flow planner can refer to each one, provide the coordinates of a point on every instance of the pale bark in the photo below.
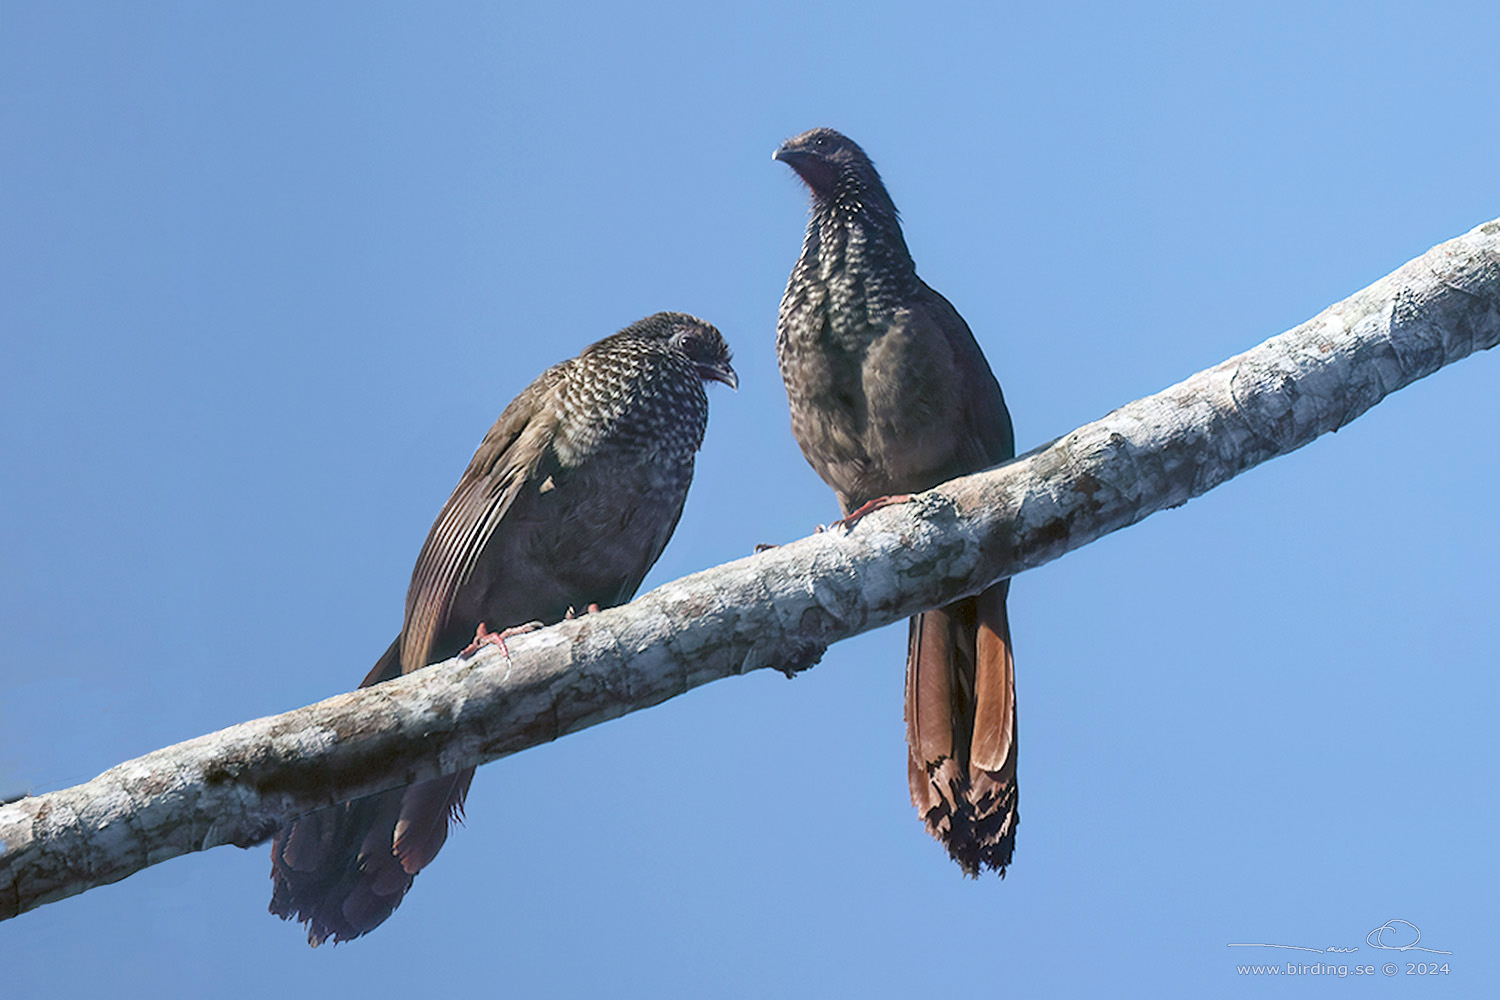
(778, 609)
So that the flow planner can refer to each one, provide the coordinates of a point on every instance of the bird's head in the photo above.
(828, 161)
(695, 339)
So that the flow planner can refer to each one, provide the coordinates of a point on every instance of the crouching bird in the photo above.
(891, 395)
(568, 502)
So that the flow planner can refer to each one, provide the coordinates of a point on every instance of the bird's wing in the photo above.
(512, 453)
(987, 437)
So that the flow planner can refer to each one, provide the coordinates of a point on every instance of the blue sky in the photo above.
(269, 271)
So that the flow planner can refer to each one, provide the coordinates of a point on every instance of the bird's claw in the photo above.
(484, 637)
(870, 507)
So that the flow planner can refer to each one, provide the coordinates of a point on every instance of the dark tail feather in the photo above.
(344, 869)
(426, 811)
(961, 728)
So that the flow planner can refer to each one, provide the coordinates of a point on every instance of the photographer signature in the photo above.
(1389, 936)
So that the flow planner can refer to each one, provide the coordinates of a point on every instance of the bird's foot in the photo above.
(484, 637)
(847, 521)
(591, 609)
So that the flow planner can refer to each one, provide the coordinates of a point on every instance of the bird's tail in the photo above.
(961, 728)
(344, 869)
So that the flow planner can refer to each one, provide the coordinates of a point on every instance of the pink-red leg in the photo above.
(870, 507)
(484, 637)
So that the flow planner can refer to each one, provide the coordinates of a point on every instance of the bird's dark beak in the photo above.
(721, 373)
(790, 156)
(815, 171)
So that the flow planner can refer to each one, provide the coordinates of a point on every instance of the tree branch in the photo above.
(779, 609)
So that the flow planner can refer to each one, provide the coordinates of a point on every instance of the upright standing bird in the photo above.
(568, 502)
(890, 394)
